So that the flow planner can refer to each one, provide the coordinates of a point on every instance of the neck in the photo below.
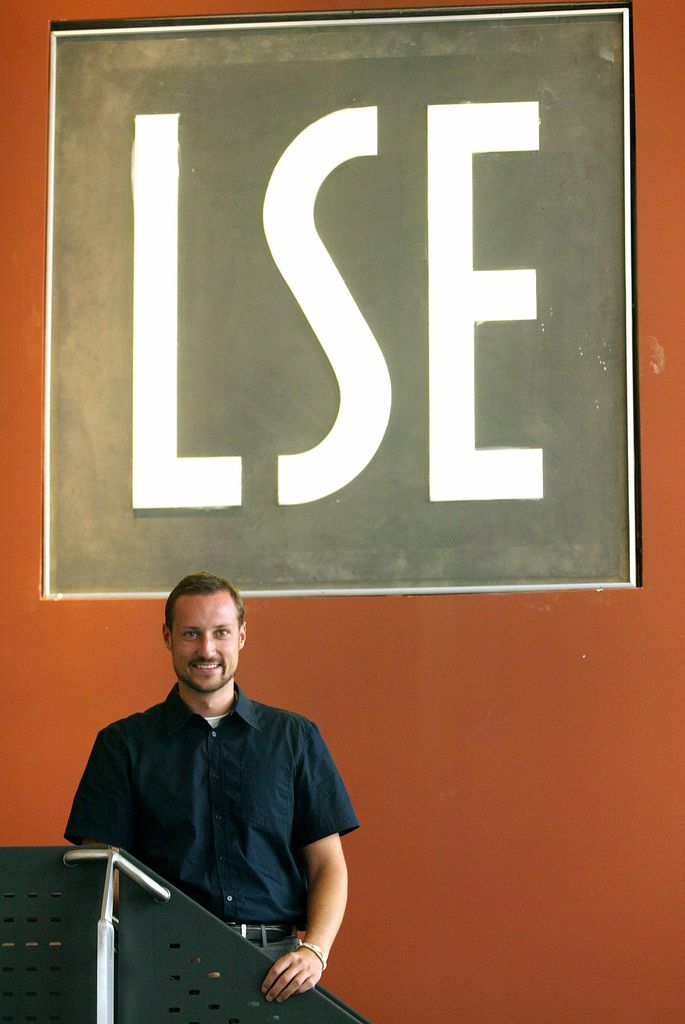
(208, 705)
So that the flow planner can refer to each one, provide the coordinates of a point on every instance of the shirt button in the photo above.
(218, 817)
(213, 733)
(228, 899)
(215, 775)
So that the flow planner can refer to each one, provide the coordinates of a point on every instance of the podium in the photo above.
(66, 959)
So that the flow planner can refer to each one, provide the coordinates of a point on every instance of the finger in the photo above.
(279, 966)
(292, 973)
(280, 974)
(283, 989)
(285, 980)
(270, 978)
(296, 987)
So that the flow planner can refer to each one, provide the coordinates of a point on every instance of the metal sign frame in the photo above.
(506, 460)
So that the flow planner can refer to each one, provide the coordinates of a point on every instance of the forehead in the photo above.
(207, 611)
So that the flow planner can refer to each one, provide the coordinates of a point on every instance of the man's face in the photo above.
(205, 641)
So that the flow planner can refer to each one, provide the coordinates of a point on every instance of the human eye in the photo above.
(223, 633)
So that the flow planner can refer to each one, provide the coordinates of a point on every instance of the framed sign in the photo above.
(342, 303)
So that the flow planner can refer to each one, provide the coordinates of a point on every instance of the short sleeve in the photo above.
(322, 804)
(103, 806)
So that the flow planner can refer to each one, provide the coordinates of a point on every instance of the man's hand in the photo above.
(298, 971)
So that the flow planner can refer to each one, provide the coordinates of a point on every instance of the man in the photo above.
(236, 803)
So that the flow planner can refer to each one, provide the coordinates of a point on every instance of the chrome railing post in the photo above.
(105, 931)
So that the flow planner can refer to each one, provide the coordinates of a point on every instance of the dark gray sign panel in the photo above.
(342, 304)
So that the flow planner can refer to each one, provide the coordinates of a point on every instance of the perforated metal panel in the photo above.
(178, 964)
(48, 916)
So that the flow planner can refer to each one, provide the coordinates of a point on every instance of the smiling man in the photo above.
(236, 803)
(205, 634)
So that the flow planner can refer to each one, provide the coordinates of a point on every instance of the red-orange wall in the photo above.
(517, 760)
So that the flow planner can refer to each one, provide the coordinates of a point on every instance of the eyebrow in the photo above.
(220, 625)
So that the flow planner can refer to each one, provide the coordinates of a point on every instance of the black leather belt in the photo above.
(263, 933)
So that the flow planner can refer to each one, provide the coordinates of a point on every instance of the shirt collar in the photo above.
(178, 713)
(245, 708)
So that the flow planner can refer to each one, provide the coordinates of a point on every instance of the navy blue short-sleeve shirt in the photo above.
(221, 813)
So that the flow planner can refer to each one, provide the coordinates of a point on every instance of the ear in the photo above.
(243, 635)
(167, 636)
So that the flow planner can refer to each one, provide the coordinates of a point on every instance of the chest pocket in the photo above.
(266, 796)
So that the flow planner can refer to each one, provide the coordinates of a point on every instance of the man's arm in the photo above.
(327, 895)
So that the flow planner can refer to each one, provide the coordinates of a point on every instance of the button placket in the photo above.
(216, 802)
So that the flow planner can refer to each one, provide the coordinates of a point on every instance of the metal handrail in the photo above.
(116, 861)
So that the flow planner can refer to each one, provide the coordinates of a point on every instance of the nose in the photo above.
(205, 645)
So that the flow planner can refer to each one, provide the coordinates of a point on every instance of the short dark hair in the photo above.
(202, 583)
